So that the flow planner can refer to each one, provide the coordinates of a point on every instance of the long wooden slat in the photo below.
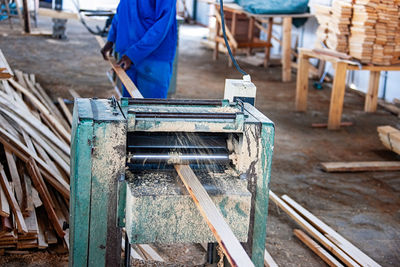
(361, 166)
(65, 109)
(150, 253)
(12, 202)
(4, 65)
(4, 206)
(328, 244)
(231, 247)
(12, 167)
(268, 260)
(42, 109)
(340, 241)
(45, 196)
(320, 251)
(24, 153)
(126, 81)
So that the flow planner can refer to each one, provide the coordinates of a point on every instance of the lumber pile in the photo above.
(333, 248)
(334, 25)
(366, 29)
(390, 138)
(34, 169)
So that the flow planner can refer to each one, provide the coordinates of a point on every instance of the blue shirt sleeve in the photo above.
(165, 16)
(112, 34)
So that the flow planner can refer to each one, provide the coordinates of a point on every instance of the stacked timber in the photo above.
(323, 15)
(390, 138)
(34, 169)
(334, 23)
(374, 25)
(338, 26)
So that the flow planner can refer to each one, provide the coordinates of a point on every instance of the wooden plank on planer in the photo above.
(231, 247)
(126, 81)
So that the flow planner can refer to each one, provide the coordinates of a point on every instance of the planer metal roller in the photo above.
(122, 174)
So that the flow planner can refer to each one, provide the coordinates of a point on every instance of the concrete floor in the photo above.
(363, 207)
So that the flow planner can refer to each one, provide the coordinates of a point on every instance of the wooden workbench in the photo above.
(339, 84)
(258, 21)
(5, 70)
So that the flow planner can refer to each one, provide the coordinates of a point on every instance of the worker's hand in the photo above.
(107, 50)
(125, 62)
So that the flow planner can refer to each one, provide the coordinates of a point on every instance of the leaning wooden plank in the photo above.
(231, 247)
(45, 196)
(134, 253)
(340, 241)
(126, 81)
(320, 251)
(4, 206)
(50, 103)
(22, 152)
(12, 167)
(65, 109)
(328, 244)
(361, 166)
(150, 253)
(47, 12)
(268, 260)
(12, 201)
(73, 93)
(42, 109)
(4, 65)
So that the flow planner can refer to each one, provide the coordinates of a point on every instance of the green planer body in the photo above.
(122, 174)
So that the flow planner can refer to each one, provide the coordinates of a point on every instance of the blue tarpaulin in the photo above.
(274, 6)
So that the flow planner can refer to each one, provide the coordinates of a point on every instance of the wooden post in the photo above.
(250, 34)
(217, 33)
(371, 98)
(302, 83)
(337, 96)
(269, 37)
(27, 22)
(286, 49)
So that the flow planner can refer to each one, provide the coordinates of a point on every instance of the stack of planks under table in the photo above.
(374, 35)
(34, 169)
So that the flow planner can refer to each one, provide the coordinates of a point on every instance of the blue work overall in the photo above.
(146, 32)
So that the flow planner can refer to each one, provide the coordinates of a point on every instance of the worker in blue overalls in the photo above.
(144, 33)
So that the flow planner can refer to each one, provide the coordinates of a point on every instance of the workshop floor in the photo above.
(363, 207)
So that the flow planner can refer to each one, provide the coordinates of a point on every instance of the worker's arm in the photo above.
(165, 16)
(112, 35)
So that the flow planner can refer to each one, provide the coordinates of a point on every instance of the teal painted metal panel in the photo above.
(261, 201)
(80, 188)
(108, 167)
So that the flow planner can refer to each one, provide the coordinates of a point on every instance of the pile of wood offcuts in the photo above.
(372, 31)
(34, 169)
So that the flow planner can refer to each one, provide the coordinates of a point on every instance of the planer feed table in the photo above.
(122, 174)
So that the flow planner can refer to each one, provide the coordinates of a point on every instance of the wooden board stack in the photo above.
(34, 169)
(338, 26)
(374, 36)
(334, 24)
(390, 138)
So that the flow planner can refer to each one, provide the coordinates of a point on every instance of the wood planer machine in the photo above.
(122, 174)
